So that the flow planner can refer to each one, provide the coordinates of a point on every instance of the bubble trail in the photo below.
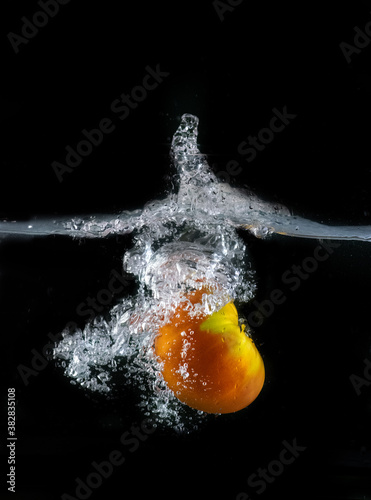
(181, 245)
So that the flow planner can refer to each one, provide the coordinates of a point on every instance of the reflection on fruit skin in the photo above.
(208, 361)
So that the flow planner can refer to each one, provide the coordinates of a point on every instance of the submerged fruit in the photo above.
(208, 361)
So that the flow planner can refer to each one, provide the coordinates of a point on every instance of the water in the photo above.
(179, 244)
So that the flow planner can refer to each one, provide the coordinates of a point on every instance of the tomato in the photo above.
(208, 361)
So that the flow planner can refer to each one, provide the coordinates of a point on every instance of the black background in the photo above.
(231, 73)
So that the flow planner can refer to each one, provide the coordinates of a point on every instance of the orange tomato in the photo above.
(208, 361)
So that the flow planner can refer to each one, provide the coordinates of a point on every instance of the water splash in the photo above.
(179, 244)
(199, 192)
